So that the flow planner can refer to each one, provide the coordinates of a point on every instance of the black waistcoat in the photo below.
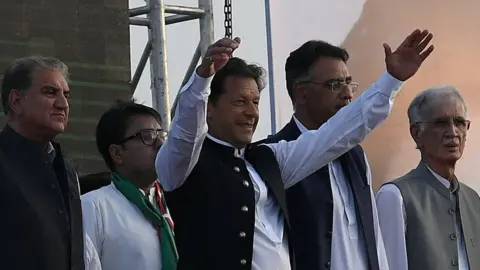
(41, 226)
(310, 204)
(214, 210)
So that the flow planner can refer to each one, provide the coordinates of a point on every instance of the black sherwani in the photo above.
(41, 226)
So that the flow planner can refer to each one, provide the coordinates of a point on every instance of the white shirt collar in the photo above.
(240, 153)
(50, 152)
(300, 126)
(151, 191)
(442, 180)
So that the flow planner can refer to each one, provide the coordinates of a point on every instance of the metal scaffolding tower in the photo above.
(155, 49)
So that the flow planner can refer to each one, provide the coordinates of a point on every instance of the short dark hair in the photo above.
(19, 74)
(113, 125)
(239, 68)
(301, 60)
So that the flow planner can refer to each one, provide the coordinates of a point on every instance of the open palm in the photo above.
(409, 56)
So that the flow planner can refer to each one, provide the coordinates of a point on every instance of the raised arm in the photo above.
(180, 153)
(314, 149)
(347, 128)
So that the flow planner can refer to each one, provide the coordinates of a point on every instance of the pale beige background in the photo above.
(455, 61)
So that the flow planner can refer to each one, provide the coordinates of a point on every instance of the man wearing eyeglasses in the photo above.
(128, 220)
(429, 219)
(333, 217)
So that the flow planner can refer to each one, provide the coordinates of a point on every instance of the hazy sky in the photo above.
(292, 25)
(182, 39)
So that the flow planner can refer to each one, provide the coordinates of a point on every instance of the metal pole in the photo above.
(183, 10)
(138, 11)
(158, 61)
(206, 25)
(156, 21)
(141, 66)
(193, 65)
(188, 74)
(271, 78)
(180, 18)
(206, 39)
(139, 21)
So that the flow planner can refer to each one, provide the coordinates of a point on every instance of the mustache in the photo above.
(452, 142)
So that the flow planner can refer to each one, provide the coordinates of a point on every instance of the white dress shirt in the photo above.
(297, 159)
(393, 222)
(348, 250)
(122, 236)
(92, 262)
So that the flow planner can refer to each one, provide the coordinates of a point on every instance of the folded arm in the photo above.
(346, 129)
(188, 129)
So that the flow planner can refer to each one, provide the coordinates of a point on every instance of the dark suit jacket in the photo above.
(41, 227)
(310, 205)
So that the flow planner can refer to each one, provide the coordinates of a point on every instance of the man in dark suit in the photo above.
(334, 221)
(41, 226)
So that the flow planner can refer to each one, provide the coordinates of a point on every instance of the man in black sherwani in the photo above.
(41, 226)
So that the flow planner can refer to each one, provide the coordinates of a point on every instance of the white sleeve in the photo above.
(391, 213)
(381, 252)
(180, 153)
(92, 261)
(93, 222)
(346, 129)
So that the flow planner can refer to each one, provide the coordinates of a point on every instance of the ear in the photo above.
(116, 153)
(14, 101)
(416, 132)
(300, 94)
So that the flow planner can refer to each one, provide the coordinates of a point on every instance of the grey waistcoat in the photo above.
(431, 210)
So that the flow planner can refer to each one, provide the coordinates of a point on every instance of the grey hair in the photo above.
(19, 74)
(421, 105)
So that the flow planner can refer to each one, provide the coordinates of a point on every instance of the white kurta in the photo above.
(349, 250)
(92, 262)
(123, 238)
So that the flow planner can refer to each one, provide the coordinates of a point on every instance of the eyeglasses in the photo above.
(336, 86)
(445, 123)
(148, 136)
